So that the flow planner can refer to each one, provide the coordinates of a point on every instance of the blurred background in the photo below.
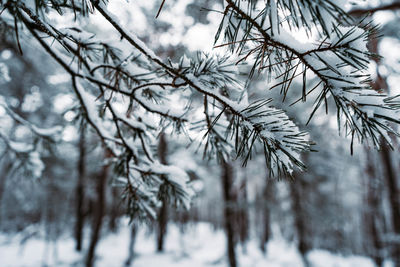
(343, 211)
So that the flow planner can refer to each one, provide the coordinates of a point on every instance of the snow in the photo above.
(63, 102)
(166, 108)
(276, 128)
(20, 147)
(90, 104)
(341, 62)
(198, 246)
(6, 54)
(211, 92)
(32, 102)
(4, 74)
(131, 35)
(176, 176)
(35, 164)
(59, 78)
(54, 132)
(30, 161)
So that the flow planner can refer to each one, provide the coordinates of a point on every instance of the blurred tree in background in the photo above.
(97, 123)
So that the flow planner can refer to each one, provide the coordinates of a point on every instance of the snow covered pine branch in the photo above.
(336, 54)
(129, 95)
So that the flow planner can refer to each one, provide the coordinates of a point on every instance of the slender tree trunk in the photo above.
(49, 220)
(373, 212)
(229, 212)
(3, 179)
(114, 210)
(266, 210)
(162, 220)
(299, 218)
(80, 192)
(99, 214)
(131, 248)
(7, 165)
(391, 180)
(243, 216)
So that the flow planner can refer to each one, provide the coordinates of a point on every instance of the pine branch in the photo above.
(346, 89)
(368, 11)
(189, 79)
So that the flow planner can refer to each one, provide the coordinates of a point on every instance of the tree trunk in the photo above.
(266, 210)
(80, 192)
(229, 212)
(131, 250)
(99, 214)
(391, 180)
(7, 166)
(380, 83)
(373, 212)
(243, 215)
(162, 220)
(114, 210)
(299, 218)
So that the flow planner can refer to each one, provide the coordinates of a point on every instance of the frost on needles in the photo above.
(335, 53)
(129, 96)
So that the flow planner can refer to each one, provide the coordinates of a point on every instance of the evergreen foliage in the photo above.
(128, 95)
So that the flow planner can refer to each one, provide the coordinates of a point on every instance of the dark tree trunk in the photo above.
(266, 210)
(7, 165)
(299, 218)
(391, 180)
(98, 216)
(243, 215)
(131, 248)
(162, 220)
(229, 212)
(380, 83)
(373, 212)
(80, 192)
(114, 210)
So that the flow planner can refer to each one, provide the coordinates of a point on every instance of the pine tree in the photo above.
(129, 96)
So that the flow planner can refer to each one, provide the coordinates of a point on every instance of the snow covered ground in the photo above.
(199, 246)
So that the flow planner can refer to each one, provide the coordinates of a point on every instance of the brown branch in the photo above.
(32, 29)
(176, 74)
(171, 71)
(368, 11)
